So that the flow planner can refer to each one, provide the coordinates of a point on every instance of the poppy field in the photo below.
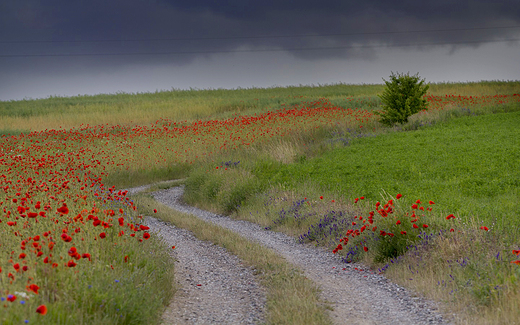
(71, 239)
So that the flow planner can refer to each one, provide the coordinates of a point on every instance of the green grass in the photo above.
(107, 291)
(469, 166)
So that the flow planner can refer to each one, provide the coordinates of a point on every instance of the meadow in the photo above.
(432, 203)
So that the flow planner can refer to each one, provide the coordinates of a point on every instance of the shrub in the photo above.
(402, 97)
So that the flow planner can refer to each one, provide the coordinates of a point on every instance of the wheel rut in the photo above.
(213, 286)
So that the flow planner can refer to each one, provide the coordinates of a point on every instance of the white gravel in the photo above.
(214, 287)
(358, 296)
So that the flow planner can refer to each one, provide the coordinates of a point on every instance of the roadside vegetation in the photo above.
(312, 162)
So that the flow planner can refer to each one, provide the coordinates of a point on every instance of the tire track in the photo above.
(213, 286)
(357, 296)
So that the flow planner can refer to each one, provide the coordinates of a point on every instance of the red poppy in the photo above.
(33, 287)
(321, 197)
(516, 252)
(398, 196)
(365, 248)
(102, 235)
(63, 209)
(173, 247)
(431, 202)
(11, 298)
(42, 309)
(72, 251)
(418, 201)
(398, 222)
(425, 226)
(414, 206)
(415, 226)
(155, 210)
(452, 230)
(16, 267)
(403, 232)
(517, 262)
(71, 263)
(484, 228)
(146, 235)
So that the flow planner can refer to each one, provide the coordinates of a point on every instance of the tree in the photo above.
(402, 98)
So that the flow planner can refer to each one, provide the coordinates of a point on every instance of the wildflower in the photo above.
(102, 235)
(414, 206)
(33, 287)
(42, 309)
(484, 228)
(431, 203)
(146, 235)
(11, 298)
(516, 252)
(398, 196)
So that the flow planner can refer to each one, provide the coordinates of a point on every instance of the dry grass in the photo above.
(446, 270)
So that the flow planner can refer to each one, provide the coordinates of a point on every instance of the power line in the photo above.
(249, 51)
(260, 37)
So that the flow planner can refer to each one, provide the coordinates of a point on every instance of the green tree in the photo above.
(402, 97)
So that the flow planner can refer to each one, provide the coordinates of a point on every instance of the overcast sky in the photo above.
(66, 48)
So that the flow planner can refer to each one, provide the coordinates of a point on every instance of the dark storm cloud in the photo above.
(112, 27)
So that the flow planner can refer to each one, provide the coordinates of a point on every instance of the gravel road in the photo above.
(214, 287)
(357, 296)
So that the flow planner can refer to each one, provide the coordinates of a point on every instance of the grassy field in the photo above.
(308, 161)
(179, 105)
